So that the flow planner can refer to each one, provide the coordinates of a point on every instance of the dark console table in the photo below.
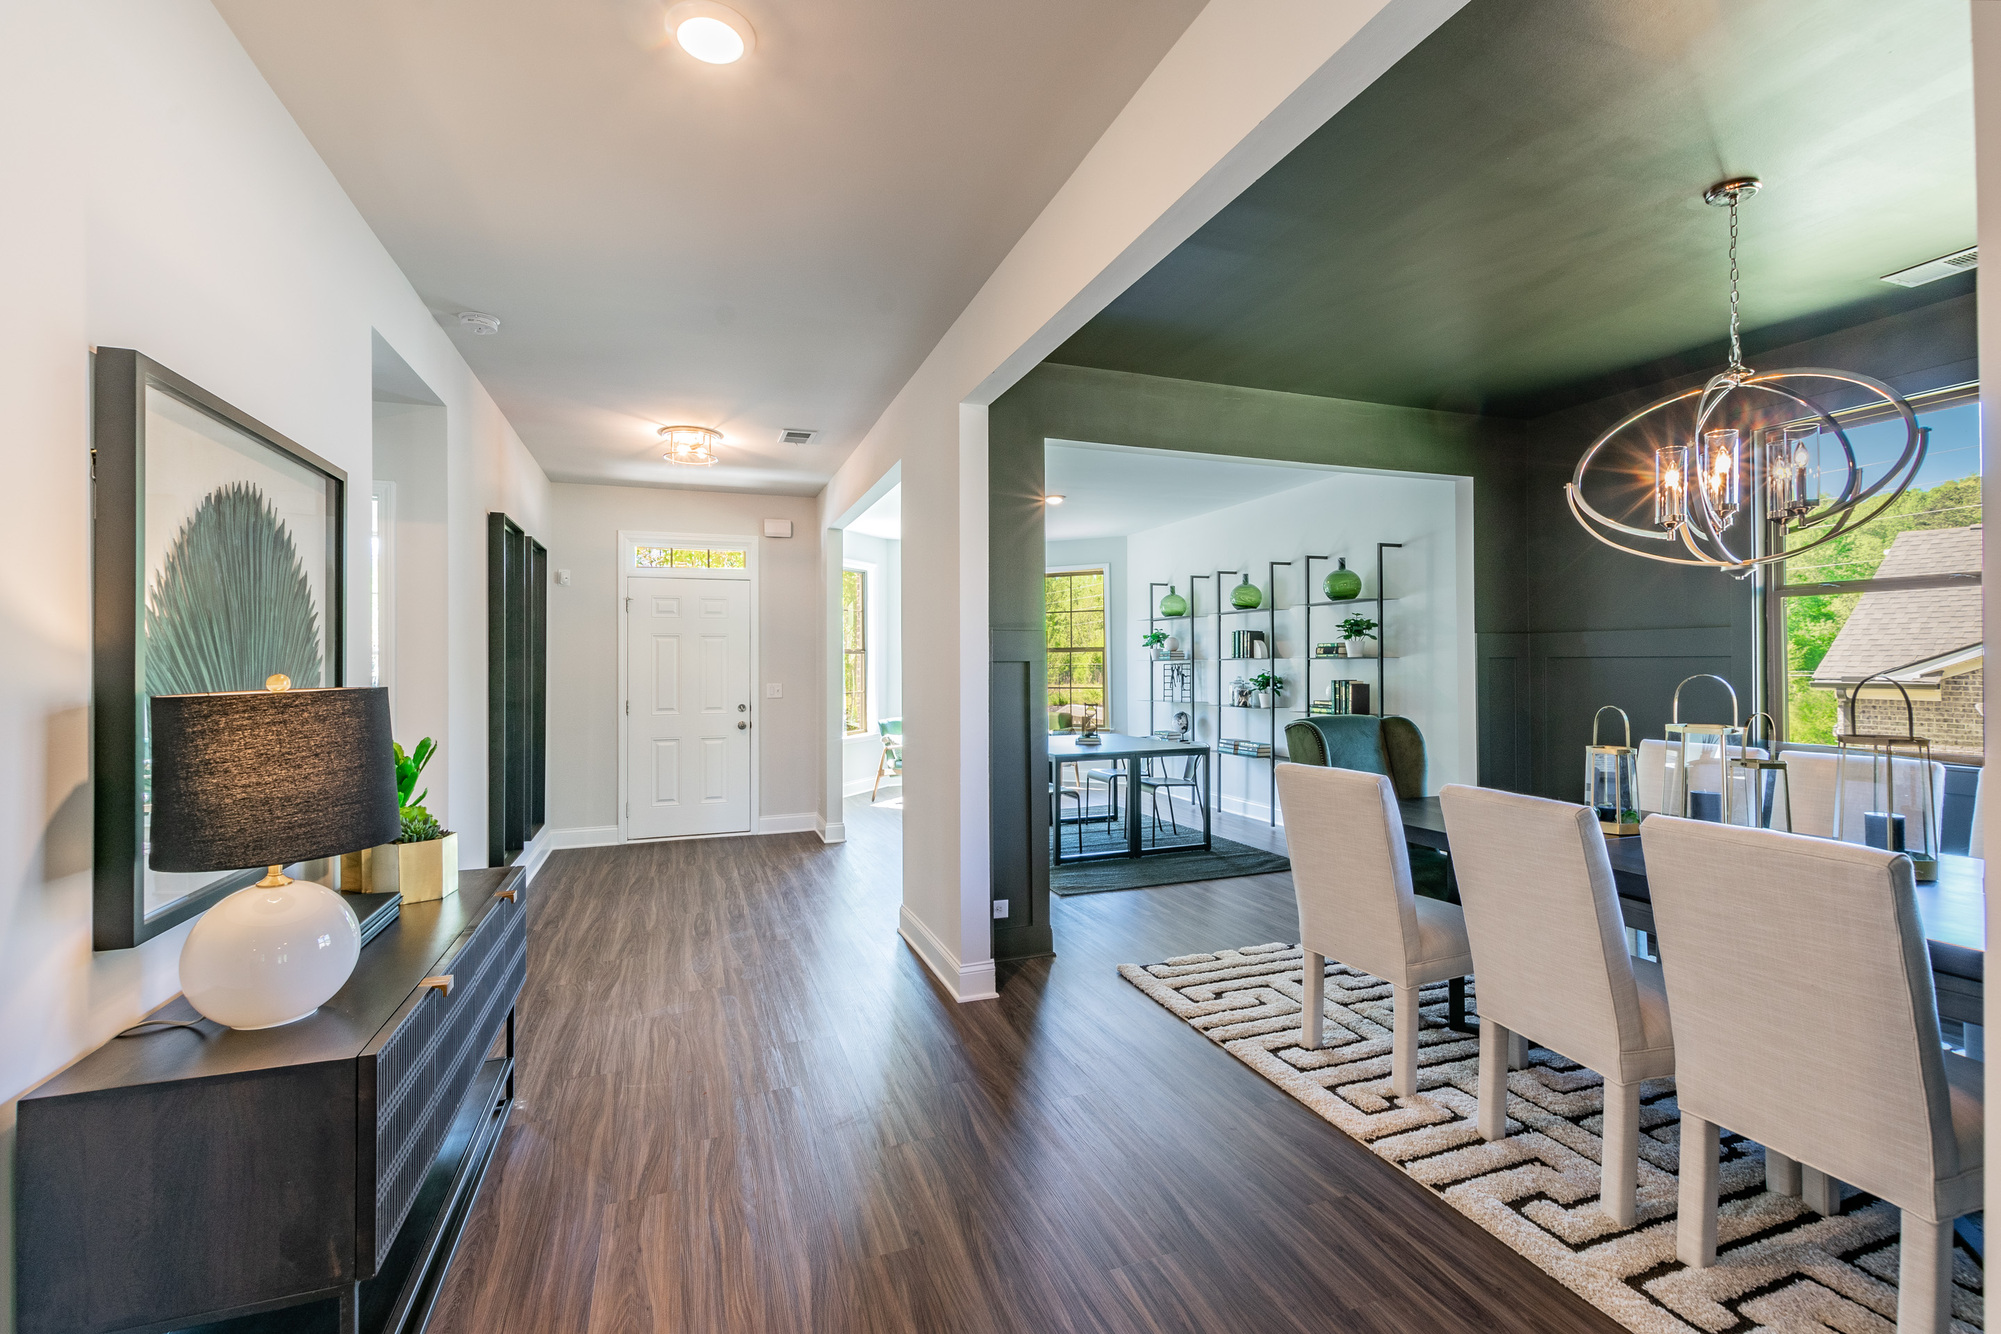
(305, 1178)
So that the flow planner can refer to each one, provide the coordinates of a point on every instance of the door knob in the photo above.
(741, 725)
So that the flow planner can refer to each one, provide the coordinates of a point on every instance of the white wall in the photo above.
(160, 198)
(1429, 626)
(1246, 83)
(883, 557)
(584, 704)
(410, 453)
(1109, 553)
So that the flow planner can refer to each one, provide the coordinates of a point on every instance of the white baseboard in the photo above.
(1250, 810)
(807, 823)
(831, 831)
(530, 858)
(581, 836)
(971, 982)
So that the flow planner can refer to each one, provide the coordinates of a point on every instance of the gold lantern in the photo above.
(1612, 778)
(1883, 825)
(1761, 792)
(1704, 805)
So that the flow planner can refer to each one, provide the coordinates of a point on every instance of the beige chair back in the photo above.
(1810, 780)
(1542, 915)
(1350, 868)
(1801, 988)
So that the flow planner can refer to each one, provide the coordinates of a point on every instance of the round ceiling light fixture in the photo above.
(710, 32)
(691, 446)
(1052, 500)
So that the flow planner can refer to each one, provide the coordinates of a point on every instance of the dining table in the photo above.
(1953, 908)
(1129, 753)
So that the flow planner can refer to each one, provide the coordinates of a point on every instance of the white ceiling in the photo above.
(1116, 490)
(884, 518)
(753, 247)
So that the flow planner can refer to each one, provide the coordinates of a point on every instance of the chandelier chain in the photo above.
(1736, 347)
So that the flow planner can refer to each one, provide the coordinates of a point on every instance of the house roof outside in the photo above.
(1931, 632)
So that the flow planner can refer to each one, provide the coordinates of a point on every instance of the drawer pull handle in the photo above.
(508, 894)
(442, 981)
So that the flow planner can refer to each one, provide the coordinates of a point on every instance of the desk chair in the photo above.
(892, 752)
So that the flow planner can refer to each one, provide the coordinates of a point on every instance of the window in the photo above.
(1898, 595)
(1074, 630)
(688, 558)
(854, 649)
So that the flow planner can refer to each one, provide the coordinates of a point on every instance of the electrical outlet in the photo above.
(774, 690)
(1000, 910)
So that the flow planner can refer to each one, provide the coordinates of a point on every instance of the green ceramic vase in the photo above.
(1246, 597)
(1173, 604)
(1343, 584)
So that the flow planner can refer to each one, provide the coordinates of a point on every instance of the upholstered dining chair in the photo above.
(1766, 937)
(1550, 959)
(1351, 875)
(1369, 744)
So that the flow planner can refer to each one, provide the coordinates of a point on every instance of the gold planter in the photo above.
(419, 872)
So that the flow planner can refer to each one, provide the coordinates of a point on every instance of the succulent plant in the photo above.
(420, 826)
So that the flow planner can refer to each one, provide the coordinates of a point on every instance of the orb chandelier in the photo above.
(1756, 464)
(694, 446)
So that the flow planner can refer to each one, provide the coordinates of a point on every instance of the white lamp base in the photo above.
(271, 954)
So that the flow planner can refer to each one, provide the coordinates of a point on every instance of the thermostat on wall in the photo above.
(778, 527)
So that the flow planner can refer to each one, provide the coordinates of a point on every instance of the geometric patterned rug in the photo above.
(1780, 1266)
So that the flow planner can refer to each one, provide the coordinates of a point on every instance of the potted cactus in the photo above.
(423, 863)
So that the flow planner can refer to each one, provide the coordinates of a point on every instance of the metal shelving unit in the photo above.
(1160, 671)
(1269, 610)
(1382, 654)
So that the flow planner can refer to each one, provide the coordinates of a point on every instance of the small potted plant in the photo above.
(1266, 681)
(423, 863)
(1354, 630)
(1154, 639)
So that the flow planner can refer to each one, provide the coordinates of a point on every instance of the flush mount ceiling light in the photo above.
(475, 323)
(1052, 500)
(710, 32)
(1754, 449)
(694, 446)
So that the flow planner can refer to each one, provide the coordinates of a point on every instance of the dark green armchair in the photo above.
(1392, 746)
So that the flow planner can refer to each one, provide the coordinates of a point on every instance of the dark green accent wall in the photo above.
(1115, 407)
(1608, 628)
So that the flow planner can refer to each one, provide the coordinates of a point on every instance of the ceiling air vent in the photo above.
(795, 436)
(1934, 269)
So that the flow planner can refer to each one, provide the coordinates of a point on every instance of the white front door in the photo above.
(687, 726)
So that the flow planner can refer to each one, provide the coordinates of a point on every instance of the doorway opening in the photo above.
(871, 628)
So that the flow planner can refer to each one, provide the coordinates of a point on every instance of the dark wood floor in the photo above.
(746, 1107)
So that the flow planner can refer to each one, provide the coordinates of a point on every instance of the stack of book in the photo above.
(1249, 644)
(1256, 749)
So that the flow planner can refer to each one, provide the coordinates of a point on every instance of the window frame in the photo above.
(1104, 570)
(868, 668)
(1774, 590)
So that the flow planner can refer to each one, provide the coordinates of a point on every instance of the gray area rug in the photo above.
(1780, 1265)
(1223, 861)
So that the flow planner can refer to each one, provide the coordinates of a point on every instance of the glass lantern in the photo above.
(1761, 793)
(1792, 472)
(1686, 799)
(1883, 824)
(1671, 487)
(1720, 487)
(1612, 778)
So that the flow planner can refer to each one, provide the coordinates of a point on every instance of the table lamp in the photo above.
(268, 778)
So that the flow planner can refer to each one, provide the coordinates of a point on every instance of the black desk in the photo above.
(1953, 908)
(1128, 751)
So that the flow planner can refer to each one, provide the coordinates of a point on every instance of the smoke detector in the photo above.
(474, 322)
(1934, 269)
(796, 436)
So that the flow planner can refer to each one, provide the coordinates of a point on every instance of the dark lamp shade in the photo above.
(267, 778)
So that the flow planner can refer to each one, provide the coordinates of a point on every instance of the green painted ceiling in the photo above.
(1513, 212)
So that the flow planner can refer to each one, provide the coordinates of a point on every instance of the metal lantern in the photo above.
(1883, 825)
(1761, 793)
(1612, 778)
(1704, 805)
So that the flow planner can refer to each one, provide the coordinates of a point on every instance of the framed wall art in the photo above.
(217, 554)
